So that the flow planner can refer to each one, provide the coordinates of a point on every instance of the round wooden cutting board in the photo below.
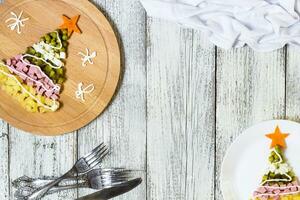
(97, 35)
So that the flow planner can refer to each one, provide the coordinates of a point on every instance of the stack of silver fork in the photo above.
(82, 175)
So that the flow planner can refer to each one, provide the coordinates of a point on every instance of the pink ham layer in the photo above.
(274, 191)
(36, 74)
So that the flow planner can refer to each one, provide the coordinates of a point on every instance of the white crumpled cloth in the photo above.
(264, 25)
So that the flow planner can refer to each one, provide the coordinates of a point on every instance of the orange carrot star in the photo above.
(278, 138)
(71, 24)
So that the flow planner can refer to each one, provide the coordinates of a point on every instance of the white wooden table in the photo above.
(181, 103)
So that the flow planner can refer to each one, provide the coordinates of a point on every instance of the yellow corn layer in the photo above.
(286, 197)
(11, 87)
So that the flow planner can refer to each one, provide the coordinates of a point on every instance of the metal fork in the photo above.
(96, 179)
(82, 166)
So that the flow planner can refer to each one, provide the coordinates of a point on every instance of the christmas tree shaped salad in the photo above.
(279, 181)
(35, 78)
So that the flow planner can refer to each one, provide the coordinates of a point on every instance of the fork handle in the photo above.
(42, 191)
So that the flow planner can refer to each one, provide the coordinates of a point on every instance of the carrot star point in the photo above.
(71, 24)
(278, 138)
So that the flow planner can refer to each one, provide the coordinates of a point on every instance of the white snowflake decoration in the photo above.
(17, 22)
(82, 91)
(87, 57)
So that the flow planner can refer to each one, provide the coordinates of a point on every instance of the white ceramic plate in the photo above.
(246, 160)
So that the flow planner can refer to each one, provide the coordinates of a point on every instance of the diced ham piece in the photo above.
(31, 71)
(49, 93)
(25, 69)
(33, 76)
(276, 191)
(286, 191)
(54, 97)
(262, 190)
(13, 62)
(39, 75)
(41, 91)
(20, 65)
(18, 57)
(294, 189)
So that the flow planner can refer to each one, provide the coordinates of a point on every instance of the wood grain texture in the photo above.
(4, 163)
(180, 98)
(123, 124)
(97, 35)
(167, 96)
(39, 156)
(200, 130)
(292, 84)
(250, 89)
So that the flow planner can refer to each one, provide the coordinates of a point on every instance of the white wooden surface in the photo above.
(180, 103)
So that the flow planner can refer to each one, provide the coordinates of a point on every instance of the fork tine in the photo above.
(100, 157)
(95, 149)
(95, 153)
(98, 160)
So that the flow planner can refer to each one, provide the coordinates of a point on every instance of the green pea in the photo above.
(32, 51)
(65, 37)
(52, 74)
(53, 35)
(47, 37)
(60, 71)
(60, 81)
(48, 68)
(39, 62)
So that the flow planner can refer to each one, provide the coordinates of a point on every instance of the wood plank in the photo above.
(250, 89)
(123, 124)
(292, 84)
(201, 120)
(4, 164)
(41, 156)
(180, 72)
(167, 74)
